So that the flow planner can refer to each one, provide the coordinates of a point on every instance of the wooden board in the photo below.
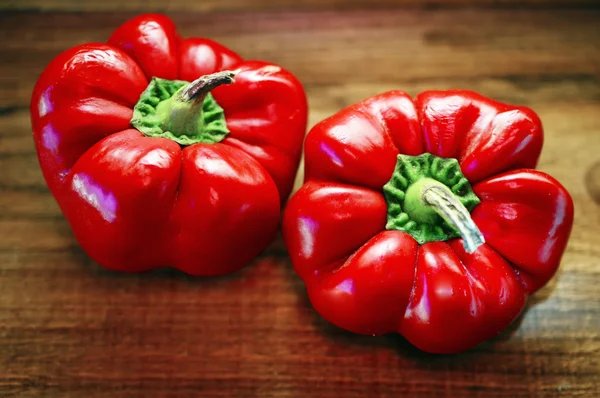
(262, 5)
(71, 329)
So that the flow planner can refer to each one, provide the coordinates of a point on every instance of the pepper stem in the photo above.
(185, 116)
(453, 212)
(198, 89)
(181, 111)
(429, 198)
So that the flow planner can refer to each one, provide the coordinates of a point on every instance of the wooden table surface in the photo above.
(69, 328)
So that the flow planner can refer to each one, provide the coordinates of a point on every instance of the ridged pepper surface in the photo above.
(425, 217)
(165, 151)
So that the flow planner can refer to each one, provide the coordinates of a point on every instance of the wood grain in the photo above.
(69, 328)
(380, 47)
(263, 5)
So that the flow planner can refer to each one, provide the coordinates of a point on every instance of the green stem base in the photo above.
(181, 111)
(429, 198)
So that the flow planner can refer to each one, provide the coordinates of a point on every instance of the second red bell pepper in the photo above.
(425, 217)
(156, 158)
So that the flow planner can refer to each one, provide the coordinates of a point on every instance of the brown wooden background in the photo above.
(71, 329)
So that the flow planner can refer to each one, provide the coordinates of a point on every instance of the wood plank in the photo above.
(336, 48)
(35, 235)
(34, 204)
(262, 5)
(88, 314)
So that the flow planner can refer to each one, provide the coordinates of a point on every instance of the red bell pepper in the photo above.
(151, 170)
(424, 217)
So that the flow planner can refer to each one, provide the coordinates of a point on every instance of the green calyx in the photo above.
(182, 111)
(429, 198)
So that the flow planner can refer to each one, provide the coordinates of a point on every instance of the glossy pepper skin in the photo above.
(372, 280)
(136, 202)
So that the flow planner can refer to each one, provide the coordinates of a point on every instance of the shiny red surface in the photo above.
(136, 203)
(372, 281)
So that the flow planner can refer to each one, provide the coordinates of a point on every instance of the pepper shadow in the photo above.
(255, 271)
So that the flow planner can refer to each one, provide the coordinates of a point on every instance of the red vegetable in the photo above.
(150, 170)
(388, 234)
